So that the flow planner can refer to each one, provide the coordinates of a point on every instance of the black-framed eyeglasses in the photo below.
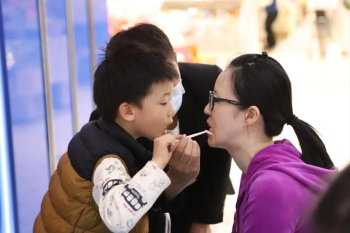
(213, 99)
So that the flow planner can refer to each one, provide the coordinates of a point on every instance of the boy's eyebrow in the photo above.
(167, 93)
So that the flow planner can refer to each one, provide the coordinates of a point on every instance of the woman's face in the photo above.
(226, 121)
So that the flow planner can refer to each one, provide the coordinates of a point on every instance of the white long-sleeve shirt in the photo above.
(123, 200)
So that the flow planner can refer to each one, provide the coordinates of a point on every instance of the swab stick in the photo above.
(197, 134)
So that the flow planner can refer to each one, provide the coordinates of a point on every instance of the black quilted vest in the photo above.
(99, 138)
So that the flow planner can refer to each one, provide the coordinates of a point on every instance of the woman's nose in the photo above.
(206, 109)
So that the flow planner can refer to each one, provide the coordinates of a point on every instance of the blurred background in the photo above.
(49, 50)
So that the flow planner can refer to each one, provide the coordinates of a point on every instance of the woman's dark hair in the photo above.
(131, 64)
(259, 80)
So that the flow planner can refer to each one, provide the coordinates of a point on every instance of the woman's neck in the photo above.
(245, 153)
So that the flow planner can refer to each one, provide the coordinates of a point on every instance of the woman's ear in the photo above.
(252, 114)
(126, 111)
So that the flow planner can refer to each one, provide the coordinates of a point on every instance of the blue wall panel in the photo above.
(60, 84)
(27, 107)
(7, 194)
(25, 86)
(82, 60)
(100, 26)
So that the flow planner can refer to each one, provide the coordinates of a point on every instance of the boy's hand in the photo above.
(163, 148)
(185, 163)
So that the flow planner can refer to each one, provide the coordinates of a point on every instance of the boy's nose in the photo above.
(172, 110)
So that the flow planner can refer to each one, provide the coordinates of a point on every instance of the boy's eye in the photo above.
(165, 103)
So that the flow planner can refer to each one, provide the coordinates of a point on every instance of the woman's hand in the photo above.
(184, 166)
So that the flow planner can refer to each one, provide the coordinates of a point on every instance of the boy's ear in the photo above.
(252, 115)
(126, 111)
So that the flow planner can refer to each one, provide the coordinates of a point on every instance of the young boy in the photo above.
(203, 201)
(106, 173)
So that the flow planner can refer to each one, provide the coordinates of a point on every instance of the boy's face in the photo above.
(152, 119)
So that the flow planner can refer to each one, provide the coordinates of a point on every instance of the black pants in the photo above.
(271, 17)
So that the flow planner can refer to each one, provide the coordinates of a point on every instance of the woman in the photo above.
(250, 104)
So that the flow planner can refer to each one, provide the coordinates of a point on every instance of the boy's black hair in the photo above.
(259, 80)
(129, 69)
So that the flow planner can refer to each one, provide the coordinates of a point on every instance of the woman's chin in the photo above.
(211, 143)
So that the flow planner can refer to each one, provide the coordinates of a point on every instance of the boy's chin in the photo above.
(156, 135)
(152, 137)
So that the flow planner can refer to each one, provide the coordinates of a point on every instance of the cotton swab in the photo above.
(197, 134)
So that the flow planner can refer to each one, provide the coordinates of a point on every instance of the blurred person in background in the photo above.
(271, 15)
(332, 214)
(249, 105)
(250, 26)
(203, 201)
(325, 15)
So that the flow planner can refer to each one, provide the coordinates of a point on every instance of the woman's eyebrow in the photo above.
(215, 91)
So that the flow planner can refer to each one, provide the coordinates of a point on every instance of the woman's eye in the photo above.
(164, 103)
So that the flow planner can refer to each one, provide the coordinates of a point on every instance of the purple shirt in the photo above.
(277, 191)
